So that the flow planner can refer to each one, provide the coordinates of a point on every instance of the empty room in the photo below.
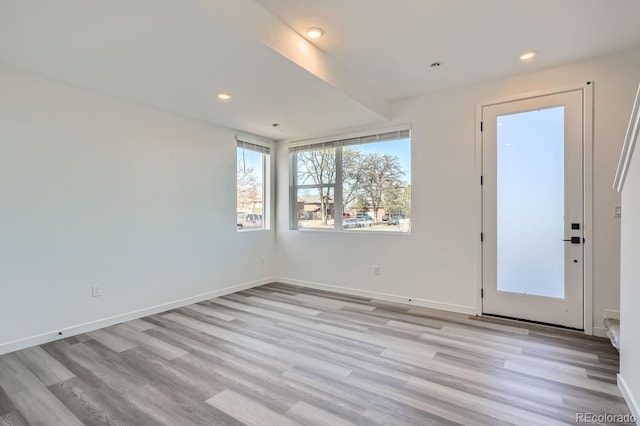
(437, 212)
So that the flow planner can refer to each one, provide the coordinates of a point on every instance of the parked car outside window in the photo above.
(349, 223)
(249, 221)
(394, 219)
(364, 221)
(364, 216)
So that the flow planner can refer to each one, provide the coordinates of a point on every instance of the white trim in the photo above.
(612, 314)
(333, 138)
(535, 94)
(628, 397)
(351, 231)
(268, 178)
(116, 319)
(633, 129)
(587, 146)
(478, 200)
(467, 310)
(599, 332)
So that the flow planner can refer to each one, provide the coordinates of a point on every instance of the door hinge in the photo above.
(481, 236)
(481, 126)
(481, 293)
(481, 180)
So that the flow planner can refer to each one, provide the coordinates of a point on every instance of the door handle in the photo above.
(574, 240)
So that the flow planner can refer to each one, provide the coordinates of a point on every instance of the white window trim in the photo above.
(329, 142)
(266, 179)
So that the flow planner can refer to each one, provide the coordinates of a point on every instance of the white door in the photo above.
(532, 196)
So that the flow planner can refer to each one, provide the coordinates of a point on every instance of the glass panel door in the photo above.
(533, 209)
(530, 202)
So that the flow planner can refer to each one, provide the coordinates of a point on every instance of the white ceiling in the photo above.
(391, 44)
(175, 55)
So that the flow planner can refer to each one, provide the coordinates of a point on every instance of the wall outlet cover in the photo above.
(96, 291)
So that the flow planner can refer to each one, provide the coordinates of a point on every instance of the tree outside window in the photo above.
(372, 187)
(251, 186)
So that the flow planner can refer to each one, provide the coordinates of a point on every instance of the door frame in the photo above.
(587, 90)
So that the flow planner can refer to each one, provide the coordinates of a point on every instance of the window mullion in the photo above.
(266, 182)
(293, 191)
(337, 191)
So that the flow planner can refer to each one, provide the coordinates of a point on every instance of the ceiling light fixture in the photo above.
(314, 32)
(223, 96)
(528, 56)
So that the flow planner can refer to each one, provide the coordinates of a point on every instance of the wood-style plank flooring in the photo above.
(284, 355)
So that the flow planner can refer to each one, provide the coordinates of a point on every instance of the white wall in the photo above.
(94, 190)
(630, 285)
(438, 263)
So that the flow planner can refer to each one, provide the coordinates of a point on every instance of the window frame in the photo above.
(265, 150)
(338, 143)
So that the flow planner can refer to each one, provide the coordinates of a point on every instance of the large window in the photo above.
(360, 184)
(252, 187)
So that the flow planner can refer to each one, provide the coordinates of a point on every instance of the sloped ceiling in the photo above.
(175, 55)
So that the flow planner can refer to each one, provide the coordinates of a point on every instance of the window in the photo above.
(360, 184)
(252, 210)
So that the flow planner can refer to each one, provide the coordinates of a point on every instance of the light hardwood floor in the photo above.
(284, 355)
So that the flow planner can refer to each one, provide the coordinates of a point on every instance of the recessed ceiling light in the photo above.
(528, 56)
(223, 96)
(314, 32)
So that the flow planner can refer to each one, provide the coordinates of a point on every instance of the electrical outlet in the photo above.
(376, 270)
(617, 211)
(96, 291)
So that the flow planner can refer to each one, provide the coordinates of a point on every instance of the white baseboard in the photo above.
(628, 397)
(116, 319)
(600, 332)
(613, 314)
(467, 310)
